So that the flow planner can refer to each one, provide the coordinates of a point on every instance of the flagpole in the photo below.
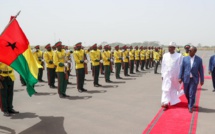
(10, 22)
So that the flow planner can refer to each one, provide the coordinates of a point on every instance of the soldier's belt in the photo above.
(5, 72)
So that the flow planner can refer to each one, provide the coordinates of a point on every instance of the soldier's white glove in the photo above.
(65, 64)
(68, 61)
(101, 61)
(85, 61)
(34, 50)
(111, 60)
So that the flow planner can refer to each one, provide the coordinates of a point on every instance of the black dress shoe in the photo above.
(41, 80)
(12, 111)
(127, 75)
(213, 90)
(190, 110)
(84, 90)
(95, 85)
(7, 114)
(64, 95)
(80, 91)
(99, 85)
(61, 96)
(69, 83)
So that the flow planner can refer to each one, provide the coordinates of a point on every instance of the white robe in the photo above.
(170, 71)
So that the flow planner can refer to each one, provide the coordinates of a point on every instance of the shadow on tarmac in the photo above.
(203, 89)
(78, 97)
(42, 93)
(39, 85)
(129, 78)
(96, 91)
(109, 86)
(6, 130)
(47, 125)
(18, 90)
(118, 82)
(206, 110)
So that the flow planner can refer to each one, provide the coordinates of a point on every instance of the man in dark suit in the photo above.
(211, 69)
(190, 72)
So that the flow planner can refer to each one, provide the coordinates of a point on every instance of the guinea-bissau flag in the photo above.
(15, 51)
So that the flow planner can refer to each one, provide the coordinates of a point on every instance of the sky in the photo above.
(125, 21)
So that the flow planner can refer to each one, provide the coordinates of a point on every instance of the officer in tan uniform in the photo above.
(48, 57)
(38, 55)
(60, 63)
(7, 78)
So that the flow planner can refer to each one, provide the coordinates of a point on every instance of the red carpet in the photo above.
(175, 120)
(208, 77)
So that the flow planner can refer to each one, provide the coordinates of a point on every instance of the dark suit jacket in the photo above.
(196, 70)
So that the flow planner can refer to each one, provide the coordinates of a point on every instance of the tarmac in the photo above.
(125, 106)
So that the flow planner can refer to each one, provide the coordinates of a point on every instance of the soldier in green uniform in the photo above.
(126, 60)
(79, 57)
(95, 56)
(7, 78)
(131, 58)
(59, 61)
(38, 55)
(117, 61)
(106, 57)
(48, 57)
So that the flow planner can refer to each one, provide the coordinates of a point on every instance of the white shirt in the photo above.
(191, 64)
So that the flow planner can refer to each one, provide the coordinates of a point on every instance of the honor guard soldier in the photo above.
(61, 68)
(69, 61)
(142, 57)
(187, 48)
(117, 61)
(95, 56)
(147, 57)
(156, 60)
(131, 58)
(106, 57)
(7, 78)
(79, 57)
(38, 55)
(50, 67)
(101, 64)
(137, 58)
(126, 60)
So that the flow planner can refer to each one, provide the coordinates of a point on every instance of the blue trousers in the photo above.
(190, 92)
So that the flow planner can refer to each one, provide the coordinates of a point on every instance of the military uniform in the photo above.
(117, 61)
(126, 60)
(106, 57)
(186, 53)
(147, 58)
(137, 58)
(79, 57)
(142, 57)
(48, 57)
(59, 61)
(95, 56)
(38, 55)
(156, 60)
(131, 58)
(7, 78)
